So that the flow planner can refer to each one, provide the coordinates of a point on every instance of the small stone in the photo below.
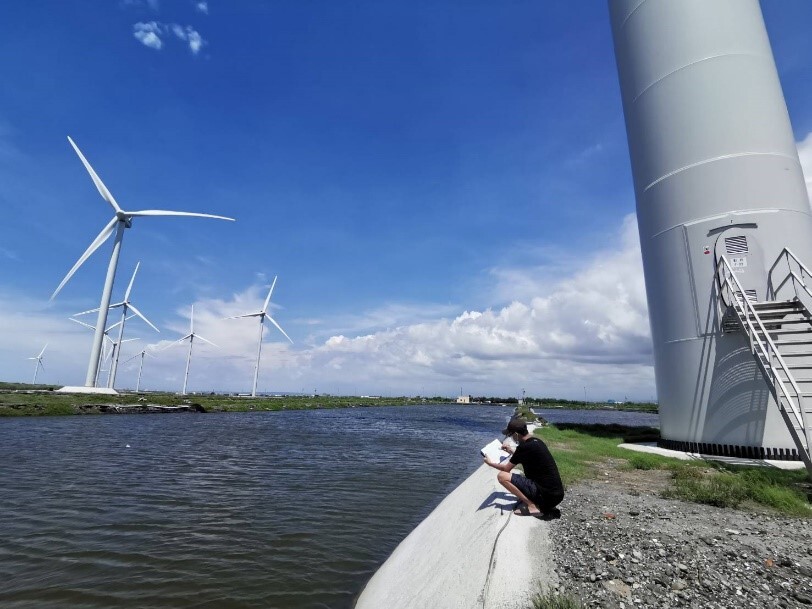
(803, 598)
(637, 554)
(682, 567)
(732, 532)
(679, 584)
(661, 552)
(593, 577)
(618, 587)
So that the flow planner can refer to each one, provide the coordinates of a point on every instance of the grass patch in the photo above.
(579, 449)
(732, 486)
(551, 600)
(584, 451)
(647, 461)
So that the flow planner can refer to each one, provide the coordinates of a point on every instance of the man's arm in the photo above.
(504, 466)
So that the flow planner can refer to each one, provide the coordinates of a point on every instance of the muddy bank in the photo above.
(67, 409)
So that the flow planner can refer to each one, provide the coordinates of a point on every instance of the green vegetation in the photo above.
(580, 449)
(570, 404)
(551, 600)
(26, 400)
(734, 486)
(587, 451)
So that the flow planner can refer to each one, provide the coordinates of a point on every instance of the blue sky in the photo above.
(443, 189)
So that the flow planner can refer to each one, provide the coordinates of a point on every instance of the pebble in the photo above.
(699, 558)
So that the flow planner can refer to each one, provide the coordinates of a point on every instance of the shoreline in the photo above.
(618, 544)
(42, 402)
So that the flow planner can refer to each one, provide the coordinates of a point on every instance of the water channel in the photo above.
(285, 510)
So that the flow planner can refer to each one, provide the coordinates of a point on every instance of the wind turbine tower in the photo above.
(140, 366)
(126, 306)
(121, 221)
(191, 336)
(262, 315)
(725, 226)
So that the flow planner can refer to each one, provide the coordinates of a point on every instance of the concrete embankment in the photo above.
(470, 552)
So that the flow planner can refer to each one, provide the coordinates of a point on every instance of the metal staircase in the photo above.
(779, 330)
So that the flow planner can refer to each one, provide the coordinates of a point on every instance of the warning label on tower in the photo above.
(738, 262)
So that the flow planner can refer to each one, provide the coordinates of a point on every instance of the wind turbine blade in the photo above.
(205, 340)
(162, 212)
(130, 287)
(129, 340)
(149, 323)
(96, 310)
(246, 315)
(97, 242)
(43, 350)
(118, 323)
(278, 327)
(180, 340)
(81, 323)
(132, 358)
(268, 300)
(106, 195)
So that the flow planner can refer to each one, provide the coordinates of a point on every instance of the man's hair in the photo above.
(516, 425)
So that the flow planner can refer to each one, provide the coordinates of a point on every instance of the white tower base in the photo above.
(93, 390)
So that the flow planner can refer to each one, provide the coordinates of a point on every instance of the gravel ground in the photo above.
(618, 547)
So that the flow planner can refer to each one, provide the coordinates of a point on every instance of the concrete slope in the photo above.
(471, 552)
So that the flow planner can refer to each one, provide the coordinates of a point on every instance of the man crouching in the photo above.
(540, 489)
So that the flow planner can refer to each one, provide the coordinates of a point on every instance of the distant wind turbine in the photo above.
(140, 366)
(191, 336)
(126, 306)
(122, 220)
(262, 315)
(38, 365)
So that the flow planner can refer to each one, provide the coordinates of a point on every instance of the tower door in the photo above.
(745, 256)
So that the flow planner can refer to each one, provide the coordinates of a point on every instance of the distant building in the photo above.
(464, 399)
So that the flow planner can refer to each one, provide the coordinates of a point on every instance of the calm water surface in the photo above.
(287, 510)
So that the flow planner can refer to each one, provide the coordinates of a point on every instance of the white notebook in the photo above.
(493, 450)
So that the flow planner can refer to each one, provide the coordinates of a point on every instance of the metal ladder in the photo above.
(779, 330)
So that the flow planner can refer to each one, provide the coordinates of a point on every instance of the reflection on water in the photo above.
(286, 510)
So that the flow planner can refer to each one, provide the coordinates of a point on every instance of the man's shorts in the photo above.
(529, 489)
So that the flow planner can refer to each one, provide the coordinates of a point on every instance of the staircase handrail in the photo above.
(765, 352)
(786, 252)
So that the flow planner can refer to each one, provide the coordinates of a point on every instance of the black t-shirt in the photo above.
(539, 465)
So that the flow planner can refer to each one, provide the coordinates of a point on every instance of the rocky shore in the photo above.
(621, 547)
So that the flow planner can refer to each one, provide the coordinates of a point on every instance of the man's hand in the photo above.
(507, 448)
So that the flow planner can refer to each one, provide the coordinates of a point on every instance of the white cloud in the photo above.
(149, 34)
(202, 7)
(589, 329)
(190, 36)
